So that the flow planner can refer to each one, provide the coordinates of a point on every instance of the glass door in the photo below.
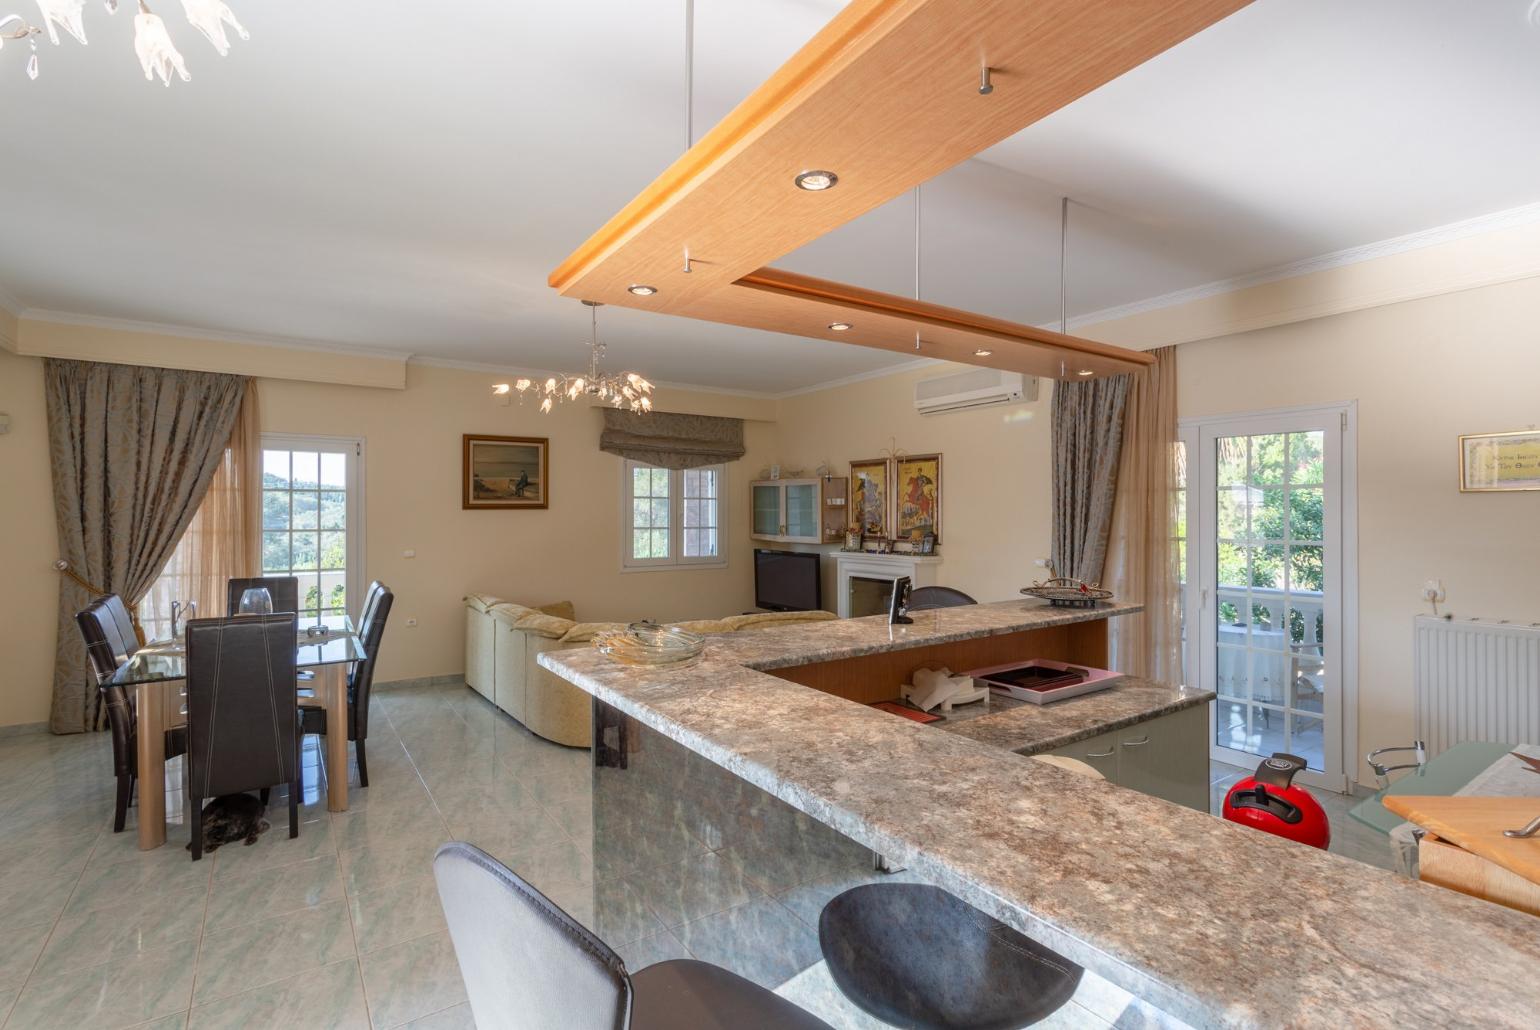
(311, 522)
(1269, 570)
(767, 510)
(802, 511)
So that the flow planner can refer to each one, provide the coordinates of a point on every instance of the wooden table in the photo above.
(157, 673)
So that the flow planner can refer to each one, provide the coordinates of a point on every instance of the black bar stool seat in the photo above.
(916, 956)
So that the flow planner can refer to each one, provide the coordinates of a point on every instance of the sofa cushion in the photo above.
(481, 602)
(560, 609)
(530, 620)
(765, 620)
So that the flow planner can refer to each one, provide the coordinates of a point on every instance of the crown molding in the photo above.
(128, 325)
(1509, 218)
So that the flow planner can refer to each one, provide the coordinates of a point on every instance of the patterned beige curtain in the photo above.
(1087, 446)
(1142, 558)
(667, 440)
(224, 536)
(133, 451)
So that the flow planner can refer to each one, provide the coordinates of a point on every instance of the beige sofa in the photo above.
(504, 641)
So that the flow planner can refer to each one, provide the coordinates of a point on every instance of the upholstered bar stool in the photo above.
(914, 955)
(529, 965)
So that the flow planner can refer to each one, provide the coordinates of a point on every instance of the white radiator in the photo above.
(1477, 679)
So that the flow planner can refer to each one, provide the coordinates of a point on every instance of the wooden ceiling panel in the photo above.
(886, 96)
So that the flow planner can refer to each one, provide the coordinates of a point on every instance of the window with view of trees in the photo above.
(305, 526)
(673, 517)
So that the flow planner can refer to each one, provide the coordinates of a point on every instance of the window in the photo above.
(310, 520)
(672, 518)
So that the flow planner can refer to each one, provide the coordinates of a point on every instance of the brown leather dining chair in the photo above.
(371, 632)
(284, 591)
(110, 641)
(242, 728)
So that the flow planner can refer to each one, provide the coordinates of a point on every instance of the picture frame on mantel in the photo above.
(505, 472)
(917, 499)
(870, 496)
(1491, 462)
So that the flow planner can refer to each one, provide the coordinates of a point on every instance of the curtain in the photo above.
(666, 440)
(133, 451)
(1087, 445)
(223, 538)
(1142, 559)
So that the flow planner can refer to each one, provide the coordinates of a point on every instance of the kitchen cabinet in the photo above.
(787, 511)
(1166, 757)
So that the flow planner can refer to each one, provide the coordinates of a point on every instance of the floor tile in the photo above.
(381, 825)
(397, 912)
(331, 997)
(19, 949)
(49, 858)
(377, 865)
(276, 848)
(612, 909)
(457, 1017)
(141, 923)
(149, 985)
(680, 891)
(164, 871)
(29, 902)
(175, 1021)
(243, 957)
(261, 893)
(412, 979)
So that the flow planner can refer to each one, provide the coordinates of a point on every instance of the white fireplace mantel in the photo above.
(920, 568)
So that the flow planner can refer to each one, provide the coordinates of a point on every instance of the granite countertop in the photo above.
(1030, 729)
(1215, 923)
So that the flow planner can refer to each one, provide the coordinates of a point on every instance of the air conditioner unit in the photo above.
(975, 388)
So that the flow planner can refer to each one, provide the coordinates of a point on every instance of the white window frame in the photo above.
(676, 559)
(357, 553)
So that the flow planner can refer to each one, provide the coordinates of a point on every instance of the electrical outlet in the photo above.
(408, 554)
(411, 622)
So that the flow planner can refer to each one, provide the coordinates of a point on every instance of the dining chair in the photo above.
(925, 598)
(242, 728)
(101, 625)
(528, 964)
(284, 591)
(371, 632)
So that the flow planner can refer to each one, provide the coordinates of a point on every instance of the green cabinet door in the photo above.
(767, 511)
(1167, 757)
(1099, 752)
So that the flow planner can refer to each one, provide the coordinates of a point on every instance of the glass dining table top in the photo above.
(163, 660)
(1443, 775)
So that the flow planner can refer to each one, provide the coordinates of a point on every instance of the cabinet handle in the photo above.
(1136, 743)
(1101, 754)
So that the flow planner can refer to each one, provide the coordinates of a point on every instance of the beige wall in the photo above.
(27, 546)
(570, 551)
(995, 476)
(1422, 372)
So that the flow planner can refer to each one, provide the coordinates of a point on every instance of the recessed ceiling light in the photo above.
(641, 289)
(816, 180)
(1086, 372)
(982, 352)
(839, 327)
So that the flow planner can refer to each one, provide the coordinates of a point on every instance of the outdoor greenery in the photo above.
(304, 527)
(1271, 521)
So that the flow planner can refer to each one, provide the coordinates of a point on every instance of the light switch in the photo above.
(411, 622)
(408, 554)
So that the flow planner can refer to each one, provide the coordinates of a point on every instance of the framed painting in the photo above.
(917, 488)
(1500, 461)
(506, 472)
(869, 496)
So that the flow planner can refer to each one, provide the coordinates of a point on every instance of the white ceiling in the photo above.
(402, 177)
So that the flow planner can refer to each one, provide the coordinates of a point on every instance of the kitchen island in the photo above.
(1210, 922)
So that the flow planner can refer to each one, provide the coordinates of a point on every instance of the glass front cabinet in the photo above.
(787, 510)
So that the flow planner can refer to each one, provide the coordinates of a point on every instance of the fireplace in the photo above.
(864, 582)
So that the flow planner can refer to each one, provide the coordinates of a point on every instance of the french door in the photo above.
(1272, 585)
(312, 521)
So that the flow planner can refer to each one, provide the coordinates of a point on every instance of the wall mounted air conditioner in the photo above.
(975, 388)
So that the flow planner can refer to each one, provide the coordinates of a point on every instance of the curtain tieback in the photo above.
(133, 611)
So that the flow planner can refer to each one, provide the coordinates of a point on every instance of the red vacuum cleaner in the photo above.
(1268, 800)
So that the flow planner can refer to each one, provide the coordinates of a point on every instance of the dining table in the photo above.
(157, 674)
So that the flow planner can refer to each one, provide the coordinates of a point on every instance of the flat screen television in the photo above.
(787, 581)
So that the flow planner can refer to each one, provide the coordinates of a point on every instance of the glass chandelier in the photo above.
(617, 389)
(152, 41)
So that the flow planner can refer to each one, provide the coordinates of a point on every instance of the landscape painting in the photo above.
(919, 497)
(869, 496)
(506, 472)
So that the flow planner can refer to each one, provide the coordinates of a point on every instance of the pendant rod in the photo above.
(689, 74)
(917, 257)
(1063, 265)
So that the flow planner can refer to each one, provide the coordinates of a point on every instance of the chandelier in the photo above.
(617, 389)
(152, 42)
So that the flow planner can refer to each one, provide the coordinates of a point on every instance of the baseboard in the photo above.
(421, 682)
(23, 729)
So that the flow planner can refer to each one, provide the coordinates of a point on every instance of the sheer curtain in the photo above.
(221, 541)
(1142, 556)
